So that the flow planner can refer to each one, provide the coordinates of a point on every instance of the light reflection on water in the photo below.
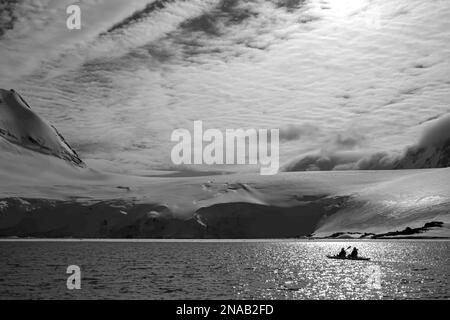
(225, 270)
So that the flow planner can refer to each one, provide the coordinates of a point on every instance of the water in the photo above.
(275, 269)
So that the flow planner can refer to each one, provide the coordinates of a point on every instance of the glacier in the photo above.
(47, 191)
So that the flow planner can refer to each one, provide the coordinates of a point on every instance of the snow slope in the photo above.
(20, 125)
(233, 206)
(47, 191)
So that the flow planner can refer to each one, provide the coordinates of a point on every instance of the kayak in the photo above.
(348, 258)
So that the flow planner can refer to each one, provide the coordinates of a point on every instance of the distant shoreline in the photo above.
(217, 240)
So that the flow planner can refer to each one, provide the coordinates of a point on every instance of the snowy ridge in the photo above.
(47, 191)
(21, 126)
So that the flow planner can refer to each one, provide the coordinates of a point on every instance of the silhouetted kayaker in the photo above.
(354, 253)
(343, 253)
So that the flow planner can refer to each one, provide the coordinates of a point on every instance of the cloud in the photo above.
(295, 132)
(377, 161)
(8, 16)
(432, 150)
(347, 141)
(139, 69)
(138, 15)
(40, 35)
(290, 5)
(437, 133)
(323, 162)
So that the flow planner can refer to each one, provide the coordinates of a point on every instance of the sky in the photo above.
(348, 76)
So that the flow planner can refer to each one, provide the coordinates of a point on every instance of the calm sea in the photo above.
(273, 269)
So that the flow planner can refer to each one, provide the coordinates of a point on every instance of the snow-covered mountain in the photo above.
(322, 204)
(47, 191)
(20, 126)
